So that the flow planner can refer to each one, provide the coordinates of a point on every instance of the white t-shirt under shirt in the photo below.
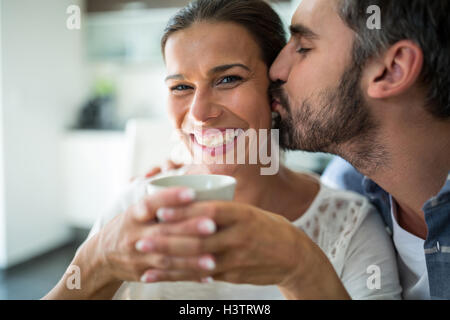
(411, 261)
(343, 224)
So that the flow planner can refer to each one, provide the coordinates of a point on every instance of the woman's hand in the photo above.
(251, 246)
(118, 245)
(111, 256)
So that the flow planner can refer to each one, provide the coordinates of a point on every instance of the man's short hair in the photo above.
(426, 22)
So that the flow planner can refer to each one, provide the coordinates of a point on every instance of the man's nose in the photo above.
(281, 67)
(203, 107)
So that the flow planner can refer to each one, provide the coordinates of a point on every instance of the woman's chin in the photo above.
(221, 169)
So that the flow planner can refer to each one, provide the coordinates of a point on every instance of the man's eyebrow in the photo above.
(301, 30)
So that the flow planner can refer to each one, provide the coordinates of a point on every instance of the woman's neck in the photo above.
(287, 193)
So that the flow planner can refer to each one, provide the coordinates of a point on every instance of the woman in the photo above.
(218, 53)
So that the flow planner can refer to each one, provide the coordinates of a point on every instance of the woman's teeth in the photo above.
(217, 140)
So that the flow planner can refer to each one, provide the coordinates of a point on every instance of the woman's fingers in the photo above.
(145, 210)
(153, 172)
(154, 275)
(172, 245)
(204, 263)
(235, 275)
(198, 226)
(170, 165)
(227, 239)
(222, 213)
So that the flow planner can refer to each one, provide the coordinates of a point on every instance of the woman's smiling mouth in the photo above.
(215, 141)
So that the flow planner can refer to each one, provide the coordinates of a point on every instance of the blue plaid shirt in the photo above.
(437, 216)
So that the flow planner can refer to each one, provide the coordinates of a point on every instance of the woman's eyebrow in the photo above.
(213, 71)
(174, 77)
(226, 67)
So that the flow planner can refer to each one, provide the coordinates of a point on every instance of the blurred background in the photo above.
(76, 107)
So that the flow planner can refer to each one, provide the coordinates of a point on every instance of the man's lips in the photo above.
(276, 105)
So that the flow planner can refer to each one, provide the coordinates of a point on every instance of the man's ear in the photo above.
(396, 70)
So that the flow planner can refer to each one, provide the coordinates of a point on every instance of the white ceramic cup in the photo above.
(206, 187)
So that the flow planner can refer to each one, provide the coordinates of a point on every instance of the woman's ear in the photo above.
(396, 70)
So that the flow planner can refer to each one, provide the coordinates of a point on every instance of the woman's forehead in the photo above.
(211, 44)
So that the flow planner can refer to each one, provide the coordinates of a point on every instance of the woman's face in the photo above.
(218, 83)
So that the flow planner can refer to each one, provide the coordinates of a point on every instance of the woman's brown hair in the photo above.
(256, 16)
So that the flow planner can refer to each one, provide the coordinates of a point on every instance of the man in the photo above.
(380, 99)
(387, 112)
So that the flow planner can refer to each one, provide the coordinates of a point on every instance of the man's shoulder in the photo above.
(340, 174)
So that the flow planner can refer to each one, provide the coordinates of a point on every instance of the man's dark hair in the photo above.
(426, 22)
(256, 16)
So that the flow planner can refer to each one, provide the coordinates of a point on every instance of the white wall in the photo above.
(2, 201)
(43, 84)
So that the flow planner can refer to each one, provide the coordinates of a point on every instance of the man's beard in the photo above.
(340, 123)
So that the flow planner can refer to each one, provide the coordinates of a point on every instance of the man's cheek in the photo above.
(299, 85)
(295, 97)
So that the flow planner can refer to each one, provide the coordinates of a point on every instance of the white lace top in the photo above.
(343, 224)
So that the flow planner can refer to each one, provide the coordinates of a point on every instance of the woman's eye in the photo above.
(230, 79)
(180, 87)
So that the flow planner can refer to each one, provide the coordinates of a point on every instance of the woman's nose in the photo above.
(203, 107)
(281, 67)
